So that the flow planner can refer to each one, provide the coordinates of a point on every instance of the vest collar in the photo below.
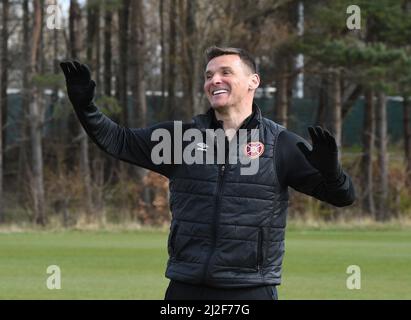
(209, 120)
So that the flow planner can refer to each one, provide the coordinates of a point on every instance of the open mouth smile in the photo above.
(219, 91)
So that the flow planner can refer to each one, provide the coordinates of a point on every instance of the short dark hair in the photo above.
(246, 57)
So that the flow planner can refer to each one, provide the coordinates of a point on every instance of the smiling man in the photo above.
(230, 84)
(227, 231)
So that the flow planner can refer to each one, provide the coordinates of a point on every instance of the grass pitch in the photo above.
(131, 264)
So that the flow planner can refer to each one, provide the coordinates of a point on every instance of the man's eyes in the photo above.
(225, 72)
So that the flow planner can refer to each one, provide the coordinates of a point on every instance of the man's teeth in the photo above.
(219, 91)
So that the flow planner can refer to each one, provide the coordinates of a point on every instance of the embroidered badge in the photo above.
(253, 149)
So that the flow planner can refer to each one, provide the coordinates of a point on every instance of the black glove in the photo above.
(324, 153)
(80, 87)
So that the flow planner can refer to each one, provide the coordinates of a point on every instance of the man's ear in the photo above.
(254, 82)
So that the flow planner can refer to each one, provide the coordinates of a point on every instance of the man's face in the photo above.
(228, 81)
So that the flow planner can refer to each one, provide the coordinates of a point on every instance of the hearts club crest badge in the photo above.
(253, 149)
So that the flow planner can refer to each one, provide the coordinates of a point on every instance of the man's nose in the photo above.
(216, 80)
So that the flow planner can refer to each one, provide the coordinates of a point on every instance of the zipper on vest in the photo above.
(217, 204)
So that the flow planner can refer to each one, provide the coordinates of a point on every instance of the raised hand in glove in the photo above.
(324, 153)
(80, 87)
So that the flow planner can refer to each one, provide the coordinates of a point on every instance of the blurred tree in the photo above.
(407, 137)
(97, 160)
(364, 60)
(108, 17)
(137, 58)
(24, 132)
(189, 56)
(322, 102)
(123, 35)
(138, 83)
(405, 92)
(4, 71)
(386, 25)
(56, 68)
(122, 73)
(367, 182)
(3, 94)
(325, 22)
(92, 32)
(75, 49)
(284, 61)
(382, 139)
(163, 73)
(172, 112)
(162, 49)
(36, 111)
(74, 29)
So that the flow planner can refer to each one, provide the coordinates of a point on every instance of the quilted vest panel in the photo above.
(227, 228)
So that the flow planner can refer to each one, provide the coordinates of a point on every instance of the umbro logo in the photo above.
(202, 146)
(209, 151)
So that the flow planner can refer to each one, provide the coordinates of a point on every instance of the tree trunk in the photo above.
(91, 32)
(172, 113)
(350, 99)
(193, 51)
(37, 158)
(98, 168)
(108, 67)
(137, 57)
(185, 64)
(56, 69)
(335, 109)
(36, 122)
(381, 142)
(107, 50)
(291, 77)
(76, 48)
(23, 163)
(368, 150)
(99, 87)
(190, 65)
(123, 54)
(4, 69)
(322, 102)
(122, 74)
(281, 103)
(139, 105)
(407, 137)
(74, 29)
(3, 95)
(98, 161)
(163, 55)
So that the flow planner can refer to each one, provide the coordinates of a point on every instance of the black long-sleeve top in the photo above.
(135, 145)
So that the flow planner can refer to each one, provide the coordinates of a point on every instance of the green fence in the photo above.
(302, 113)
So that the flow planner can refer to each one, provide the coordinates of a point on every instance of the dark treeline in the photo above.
(137, 48)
